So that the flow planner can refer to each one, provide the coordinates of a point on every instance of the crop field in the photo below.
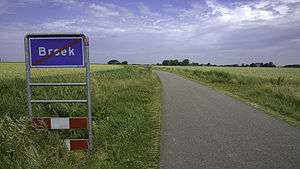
(275, 91)
(126, 112)
(260, 72)
(12, 70)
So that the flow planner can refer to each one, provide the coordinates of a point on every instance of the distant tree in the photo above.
(194, 64)
(293, 66)
(174, 62)
(185, 62)
(271, 64)
(257, 64)
(114, 62)
(166, 63)
(208, 64)
(124, 63)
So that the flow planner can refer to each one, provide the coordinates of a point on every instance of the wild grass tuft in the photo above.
(21, 144)
(277, 82)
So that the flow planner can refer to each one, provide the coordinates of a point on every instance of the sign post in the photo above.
(60, 51)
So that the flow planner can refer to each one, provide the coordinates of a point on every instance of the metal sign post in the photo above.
(60, 51)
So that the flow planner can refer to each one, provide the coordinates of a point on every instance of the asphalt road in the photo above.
(202, 128)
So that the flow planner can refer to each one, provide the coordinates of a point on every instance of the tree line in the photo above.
(175, 62)
(116, 62)
(186, 62)
(293, 66)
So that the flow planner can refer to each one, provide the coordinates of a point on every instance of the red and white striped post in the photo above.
(65, 123)
(61, 123)
(77, 144)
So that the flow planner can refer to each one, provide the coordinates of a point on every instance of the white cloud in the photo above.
(99, 10)
(3, 7)
(57, 25)
(289, 1)
(69, 2)
(170, 8)
(8, 6)
(145, 11)
(255, 11)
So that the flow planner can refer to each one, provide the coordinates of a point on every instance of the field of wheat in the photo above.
(260, 72)
(11, 70)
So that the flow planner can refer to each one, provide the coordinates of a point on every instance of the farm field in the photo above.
(275, 91)
(12, 70)
(126, 112)
(260, 72)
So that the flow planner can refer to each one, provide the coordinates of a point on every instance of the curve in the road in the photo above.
(202, 128)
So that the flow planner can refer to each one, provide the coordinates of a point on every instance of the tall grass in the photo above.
(278, 94)
(124, 105)
(23, 146)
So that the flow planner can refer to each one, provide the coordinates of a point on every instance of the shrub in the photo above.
(217, 76)
(278, 82)
(197, 73)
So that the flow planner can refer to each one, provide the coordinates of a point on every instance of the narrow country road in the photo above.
(202, 128)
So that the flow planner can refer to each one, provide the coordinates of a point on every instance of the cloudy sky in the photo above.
(149, 31)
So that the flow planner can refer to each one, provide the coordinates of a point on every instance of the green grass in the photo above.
(275, 91)
(126, 113)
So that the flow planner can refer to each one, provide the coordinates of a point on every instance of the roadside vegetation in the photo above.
(126, 113)
(275, 91)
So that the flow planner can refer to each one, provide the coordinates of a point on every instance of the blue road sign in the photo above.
(56, 52)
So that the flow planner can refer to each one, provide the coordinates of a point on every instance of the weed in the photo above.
(277, 82)
(197, 73)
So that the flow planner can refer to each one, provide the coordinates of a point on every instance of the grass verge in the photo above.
(278, 97)
(126, 110)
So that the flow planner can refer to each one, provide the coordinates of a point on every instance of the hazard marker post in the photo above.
(60, 51)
